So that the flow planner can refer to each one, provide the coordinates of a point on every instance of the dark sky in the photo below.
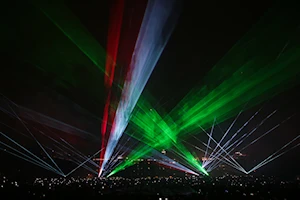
(204, 33)
(206, 30)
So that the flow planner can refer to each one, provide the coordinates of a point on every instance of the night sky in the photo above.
(205, 32)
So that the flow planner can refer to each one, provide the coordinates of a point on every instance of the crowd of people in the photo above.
(160, 188)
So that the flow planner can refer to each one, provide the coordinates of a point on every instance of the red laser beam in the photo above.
(114, 31)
